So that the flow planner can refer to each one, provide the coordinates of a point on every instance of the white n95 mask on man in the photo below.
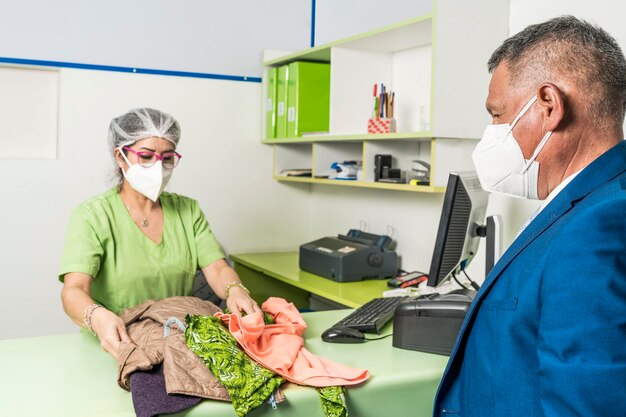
(150, 182)
(500, 163)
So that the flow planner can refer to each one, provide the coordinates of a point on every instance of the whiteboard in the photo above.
(28, 113)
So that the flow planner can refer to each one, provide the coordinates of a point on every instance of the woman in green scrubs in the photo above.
(135, 242)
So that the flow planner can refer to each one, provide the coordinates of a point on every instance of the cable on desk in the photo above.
(378, 338)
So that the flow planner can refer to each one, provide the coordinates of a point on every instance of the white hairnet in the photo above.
(140, 124)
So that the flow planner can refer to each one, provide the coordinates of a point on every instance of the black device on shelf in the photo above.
(382, 164)
(384, 172)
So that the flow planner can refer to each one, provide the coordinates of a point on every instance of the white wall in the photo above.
(337, 19)
(224, 166)
(207, 36)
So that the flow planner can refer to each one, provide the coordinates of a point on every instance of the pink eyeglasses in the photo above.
(146, 159)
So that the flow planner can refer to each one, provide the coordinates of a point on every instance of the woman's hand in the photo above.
(221, 276)
(110, 329)
(107, 325)
(240, 301)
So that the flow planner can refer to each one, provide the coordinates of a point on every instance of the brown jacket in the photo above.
(184, 372)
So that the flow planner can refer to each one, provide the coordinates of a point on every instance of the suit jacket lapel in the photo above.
(557, 208)
(609, 165)
(603, 169)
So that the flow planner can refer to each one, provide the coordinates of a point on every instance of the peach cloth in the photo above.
(280, 347)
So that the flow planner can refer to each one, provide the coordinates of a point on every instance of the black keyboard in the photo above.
(373, 315)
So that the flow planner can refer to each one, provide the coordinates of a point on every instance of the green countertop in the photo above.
(70, 375)
(283, 266)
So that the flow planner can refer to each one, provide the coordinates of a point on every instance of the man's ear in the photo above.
(552, 105)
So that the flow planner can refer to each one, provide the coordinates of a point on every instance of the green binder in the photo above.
(270, 103)
(281, 102)
(309, 98)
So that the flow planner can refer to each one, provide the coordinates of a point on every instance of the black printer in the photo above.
(431, 323)
(351, 257)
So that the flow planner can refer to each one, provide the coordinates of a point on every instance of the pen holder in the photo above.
(381, 125)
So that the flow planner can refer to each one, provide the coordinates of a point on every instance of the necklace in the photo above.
(144, 221)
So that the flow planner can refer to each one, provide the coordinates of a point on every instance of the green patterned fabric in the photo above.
(247, 382)
(333, 401)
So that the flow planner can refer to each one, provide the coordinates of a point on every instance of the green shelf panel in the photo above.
(355, 137)
(364, 184)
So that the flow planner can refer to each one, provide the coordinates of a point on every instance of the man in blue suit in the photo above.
(546, 334)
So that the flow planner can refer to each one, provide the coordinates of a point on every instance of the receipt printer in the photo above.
(350, 257)
(431, 323)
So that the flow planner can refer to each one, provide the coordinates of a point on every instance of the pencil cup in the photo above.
(381, 125)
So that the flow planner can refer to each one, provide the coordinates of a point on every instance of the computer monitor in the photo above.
(463, 214)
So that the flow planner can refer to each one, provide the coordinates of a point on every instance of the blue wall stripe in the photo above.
(59, 64)
(312, 23)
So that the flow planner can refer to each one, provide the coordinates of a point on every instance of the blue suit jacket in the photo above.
(546, 334)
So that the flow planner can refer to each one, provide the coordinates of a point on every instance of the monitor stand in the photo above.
(492, 231)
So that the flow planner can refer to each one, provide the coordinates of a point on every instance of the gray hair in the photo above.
(137, 124)
(572, 49)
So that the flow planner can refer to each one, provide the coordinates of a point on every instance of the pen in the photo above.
(387, 95)
(375, 100)
(382, 101)
(376, 108)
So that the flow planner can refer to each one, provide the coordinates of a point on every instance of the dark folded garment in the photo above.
(150, 397)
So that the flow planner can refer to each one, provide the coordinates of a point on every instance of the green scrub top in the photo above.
(128, 268)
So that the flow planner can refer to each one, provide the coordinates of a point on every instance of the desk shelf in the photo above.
(445, 154)
(278, 274)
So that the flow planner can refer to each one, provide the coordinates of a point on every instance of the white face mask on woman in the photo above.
(500, 163)
(148, 181)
